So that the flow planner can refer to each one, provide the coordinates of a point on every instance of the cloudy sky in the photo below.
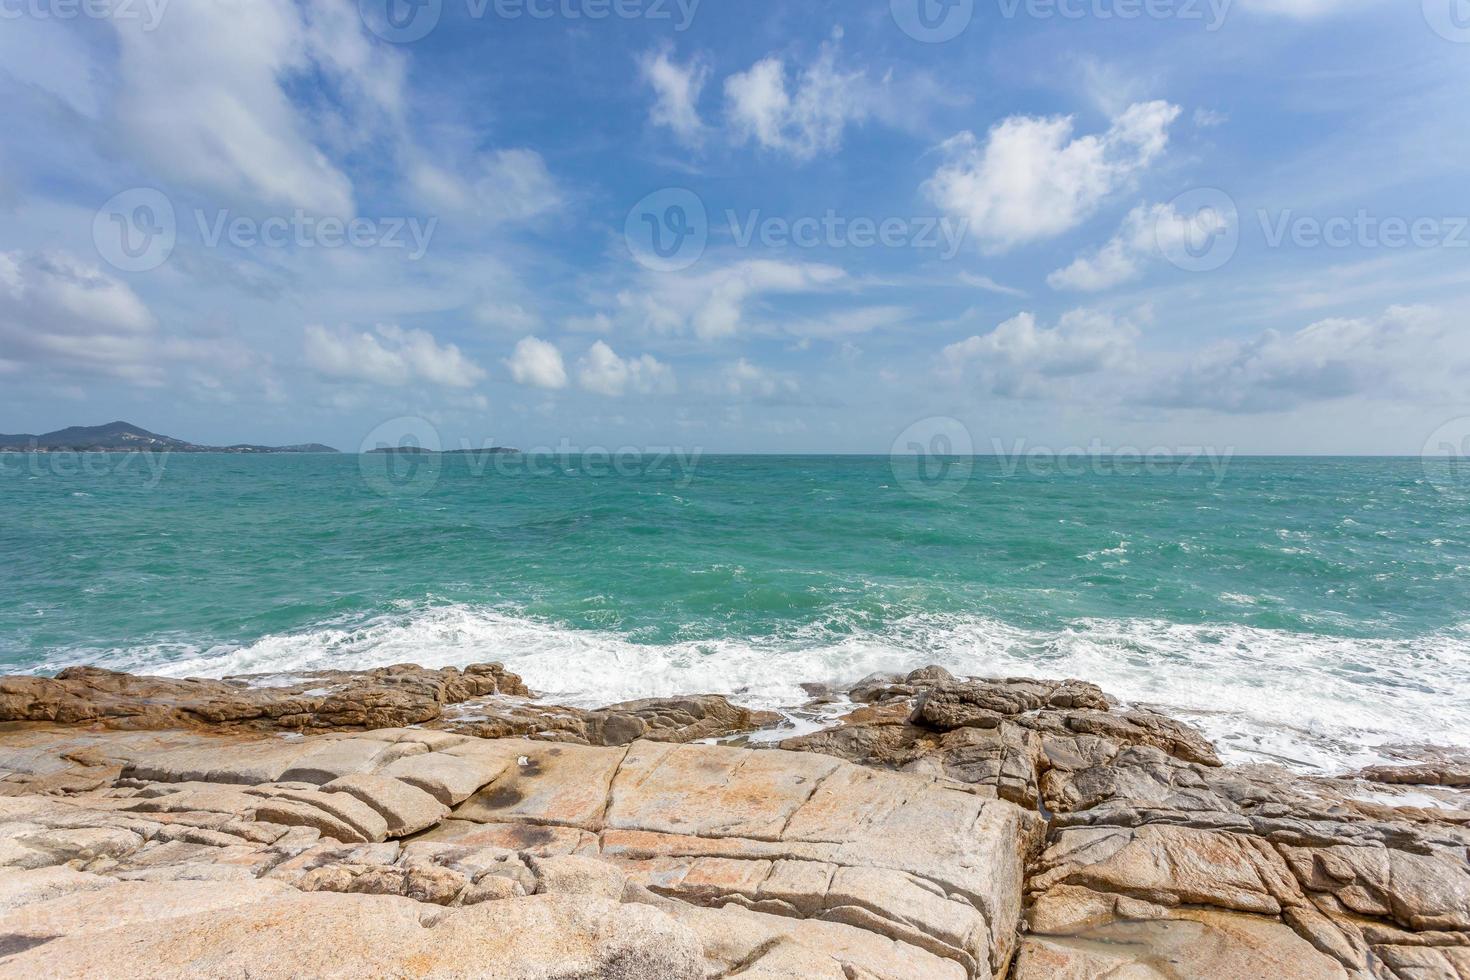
(748, 226)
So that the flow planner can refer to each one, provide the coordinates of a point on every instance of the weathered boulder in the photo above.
(983, 704)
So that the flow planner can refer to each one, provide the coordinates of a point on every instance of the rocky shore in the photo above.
(409, 822)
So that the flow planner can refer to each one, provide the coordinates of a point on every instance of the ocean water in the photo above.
(1311, 611)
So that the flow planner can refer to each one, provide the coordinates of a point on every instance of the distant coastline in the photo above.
(124, 437)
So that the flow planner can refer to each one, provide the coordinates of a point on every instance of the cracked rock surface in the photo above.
(1161, 862)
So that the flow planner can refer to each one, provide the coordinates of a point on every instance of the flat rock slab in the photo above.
(1188, 944)
(541, 783)
(649, 860)
(332, 935)
(405, 808)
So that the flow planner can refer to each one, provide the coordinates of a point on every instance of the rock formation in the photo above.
(407, 822)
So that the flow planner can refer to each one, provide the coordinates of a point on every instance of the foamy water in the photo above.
(1314, 702)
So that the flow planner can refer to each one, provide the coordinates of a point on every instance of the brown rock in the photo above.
(382, 698)
(406, 809)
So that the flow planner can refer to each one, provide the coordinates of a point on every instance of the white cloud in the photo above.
(602, 371)
(712, 305)
(743, 379)
(1022, 359)
(67, 315)
(389, 355)
(202, 97)
(839, 323)
(1145, 233)
(1209, 118)
(596, 323)
(676, 92)
(1032, 180)
(1411, 352)
(807, 120)
(989, 285)
(500, 186)
(537, 362)
(1408, 355)
(506, 316)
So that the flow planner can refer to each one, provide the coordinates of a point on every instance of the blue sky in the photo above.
(1239, 224)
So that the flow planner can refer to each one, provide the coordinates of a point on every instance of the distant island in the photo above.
(124, 437)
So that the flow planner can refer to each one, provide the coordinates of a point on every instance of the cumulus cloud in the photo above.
(1031, 179)
(1406, 354)
(602, 371)
(712, 304)
(1024, 359)
(61, 313)
(537, 362)
(803, 119)
(1146, 233)
(676, 91)
(389, 355)
(1406, 351)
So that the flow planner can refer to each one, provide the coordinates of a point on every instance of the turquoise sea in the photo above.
(1311, 610)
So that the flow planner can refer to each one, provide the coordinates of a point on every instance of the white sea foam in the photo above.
(1315, 702)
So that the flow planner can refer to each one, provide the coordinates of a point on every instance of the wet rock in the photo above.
(1437, 774)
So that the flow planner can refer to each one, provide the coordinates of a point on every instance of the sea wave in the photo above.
(1316, 702)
